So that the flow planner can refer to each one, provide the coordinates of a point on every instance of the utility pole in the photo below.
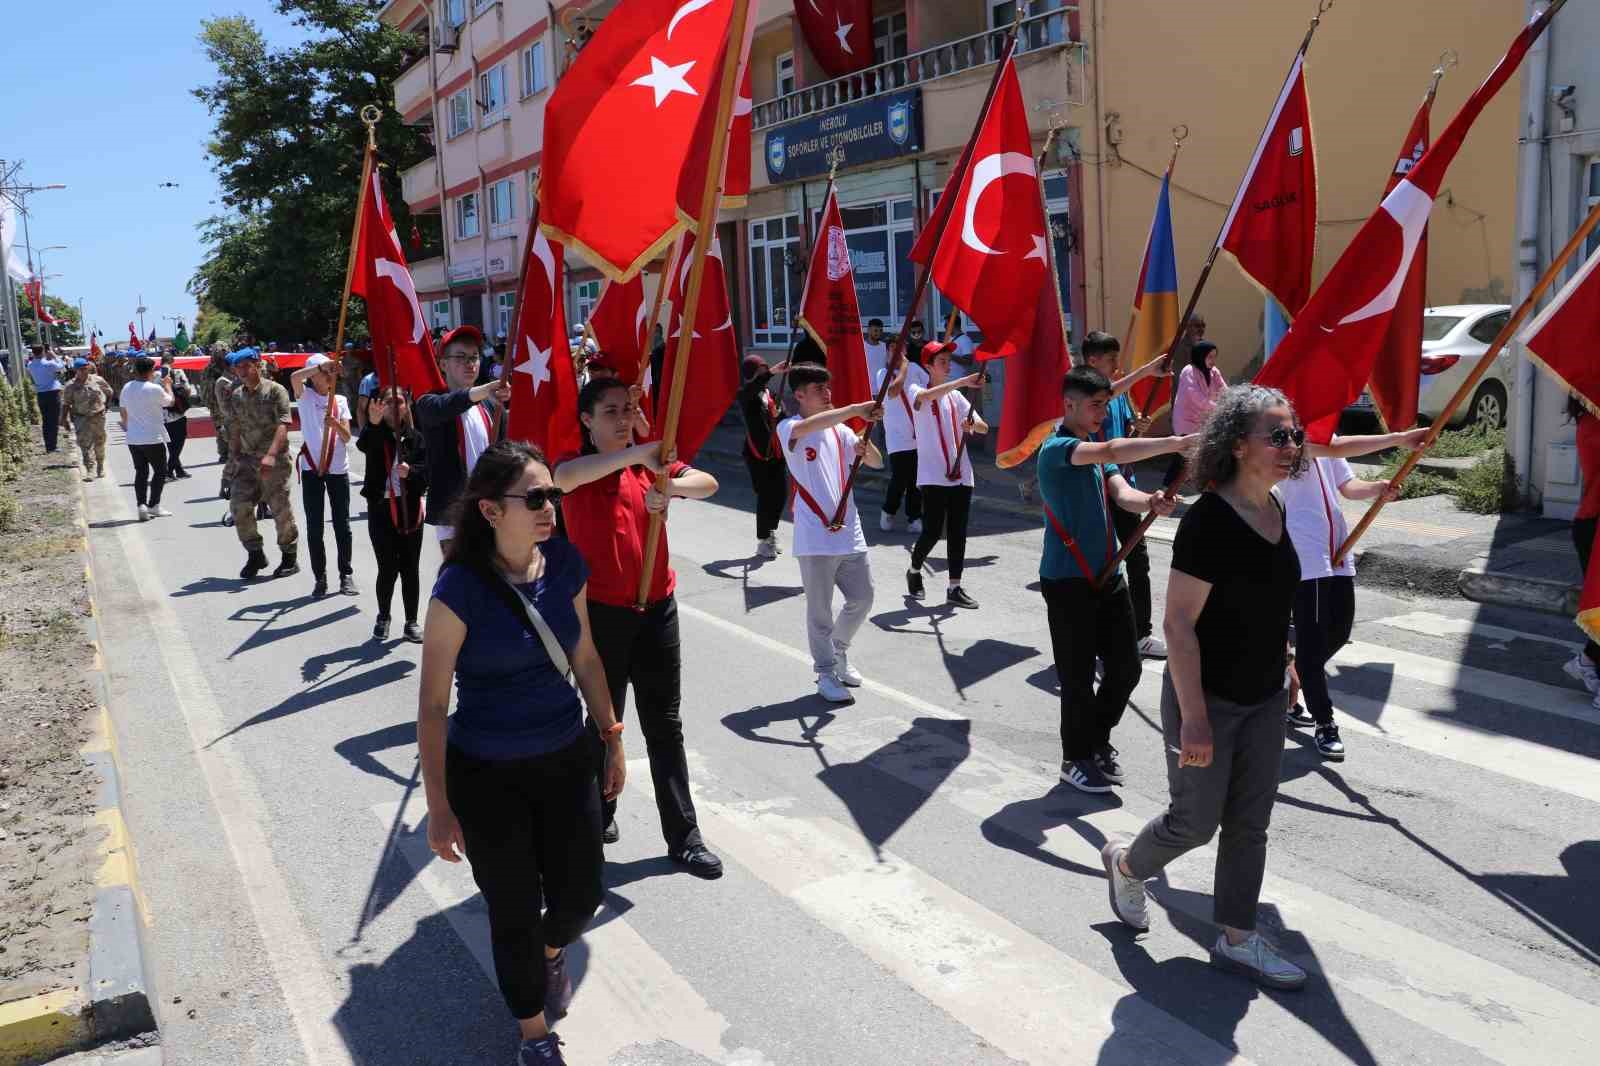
(17, 193)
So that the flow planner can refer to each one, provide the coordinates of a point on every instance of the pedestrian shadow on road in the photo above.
(321, 693)
(748, 724)
(213, 584)
(269, 613)
(978, 661)
(755, 596)
(1024, 826)
(358, 750)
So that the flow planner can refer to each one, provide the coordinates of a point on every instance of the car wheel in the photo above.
(1489, 406)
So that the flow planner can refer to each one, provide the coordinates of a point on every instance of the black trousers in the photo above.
(337, 487)
(532, 830)
(149, 472)
(177, 434)
(944, 507)
(397, 554)
(770, 478)
(1086, 625)
(1324, 611)
(1138, 565)
(903, 482)
(1583, 530)
(642, 648)
(50, 417)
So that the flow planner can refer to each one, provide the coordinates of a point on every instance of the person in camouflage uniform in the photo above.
(258, 439)
(85, 399)
(215, 384)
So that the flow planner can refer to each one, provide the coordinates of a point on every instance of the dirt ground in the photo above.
(48, 842)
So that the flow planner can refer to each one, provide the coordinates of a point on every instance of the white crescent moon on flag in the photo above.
(1410, 207)
(401, 277)
(546, 257)
(687, 9)
(989, 169)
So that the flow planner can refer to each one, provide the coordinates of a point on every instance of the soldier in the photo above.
(215, 384)
(258, 429)
(85, 399)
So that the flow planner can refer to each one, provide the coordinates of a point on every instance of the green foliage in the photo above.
(14, 435)
(1488, 486)
(66, 332)
(212, 325)
(30, 402)
(1418, 483)
(287, 148)
(1468, 442)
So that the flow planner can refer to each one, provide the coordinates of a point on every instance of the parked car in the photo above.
(1453, 339)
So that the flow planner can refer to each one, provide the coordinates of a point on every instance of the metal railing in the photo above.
(1046, 30)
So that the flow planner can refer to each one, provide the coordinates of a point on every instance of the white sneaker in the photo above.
(844, 671)
(767, 548)
(1579, 668)
(1152, 648)
(144, 513)
(914, 526)
(772, 542)
(1127, 893)
(160, 512)
(1257, 959)
(886, 521)
(830, 689)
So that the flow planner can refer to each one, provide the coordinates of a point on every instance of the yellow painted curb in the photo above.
(48, 1024)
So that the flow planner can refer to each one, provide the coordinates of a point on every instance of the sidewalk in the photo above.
(1427, 545)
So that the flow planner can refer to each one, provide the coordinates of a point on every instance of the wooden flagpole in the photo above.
(369, 117)
(705, 233)
(1485, 361)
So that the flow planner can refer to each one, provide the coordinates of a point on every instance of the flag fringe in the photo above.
(611, 271)
(1018, 455)
(1592, 406)
(1589, 622)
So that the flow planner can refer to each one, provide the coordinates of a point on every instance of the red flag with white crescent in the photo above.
(544, 386)
(838, 32)
(1562, 338)
(1326, 358)
(394, 314)
(830, 313)
(711, 378)
(134, 343)
(618, 325)
(34, 287)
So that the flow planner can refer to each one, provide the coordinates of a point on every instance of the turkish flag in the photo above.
(394, 315)
(838, 32)
(1562, 338)
(618, 325)
(134, 343)
(829, 312)
(94, 348)
(992, 258)
(1031, 405)
(627, 120)
(1326, 358)
(1271, 229)
(1397, 368)
(34, 287)
(736, 176)
(544, 386)
(711, 378)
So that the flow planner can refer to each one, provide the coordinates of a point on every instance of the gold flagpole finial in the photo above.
(1447, 59)
(835, 157)
(1180, 133)
(1019, 14)
(369, 117)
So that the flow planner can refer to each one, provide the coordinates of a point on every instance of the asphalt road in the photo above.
(906, 882)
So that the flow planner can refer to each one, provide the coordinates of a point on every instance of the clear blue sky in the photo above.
(98, 98)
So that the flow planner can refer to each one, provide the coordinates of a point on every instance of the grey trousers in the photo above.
(1235, 793)
(820, 574)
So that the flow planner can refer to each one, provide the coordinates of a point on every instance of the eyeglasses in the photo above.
(535, 499)
(465, 358)
(1281, 438)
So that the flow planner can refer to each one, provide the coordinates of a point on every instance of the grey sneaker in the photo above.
(1153, 648)
(1257, 959)
(1127, 893)
(831, 689)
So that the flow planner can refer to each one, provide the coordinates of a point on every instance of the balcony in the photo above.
(419, 182)
(1044, 32)
(412, 89)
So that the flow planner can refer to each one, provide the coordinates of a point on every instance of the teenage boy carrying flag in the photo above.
(819, 449)
(1079, 483)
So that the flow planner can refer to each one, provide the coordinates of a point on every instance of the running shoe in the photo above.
(766, 548)
(159, 511)
(1153, 647)
(832, 689)
(610, 834)
(1128, 900)
(412, 632)
(886, 521)
(144, 513)
(1259, 960)
(1298, 715)
(546, 1051)
(957, 597)
(1085, 776)
(846, 673)
(1329, 746)
(1106, 760)
(380, 628)
(914, 587)
(1582, 670)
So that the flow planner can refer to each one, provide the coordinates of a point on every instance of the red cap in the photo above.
(460, 332)
(933, 348)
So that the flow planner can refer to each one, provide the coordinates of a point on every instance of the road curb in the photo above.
(119, 1001)
(1477, 582)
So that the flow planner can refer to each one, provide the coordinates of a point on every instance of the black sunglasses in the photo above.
(1281, 438)
(537, 498)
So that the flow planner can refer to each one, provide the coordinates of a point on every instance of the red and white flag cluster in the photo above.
(712, 375)
(544, 385)
(402, 347)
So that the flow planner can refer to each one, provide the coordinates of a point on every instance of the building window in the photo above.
(504, 304)
(455, 12)
(785, 74)
(535, 75)
(585, 294)
(439, 313)
(1002, 13)
(889, 38)
(502, 204)
(1591, 196)
(460, 113)
(467, 215)
(480, 6)
(492, 90)
(777, 273)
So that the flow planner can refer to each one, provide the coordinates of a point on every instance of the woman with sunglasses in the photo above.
(611, 494)
(395, 481)
(1229, 598)
(513, 779)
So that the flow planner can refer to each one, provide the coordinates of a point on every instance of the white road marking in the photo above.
(1438, 625)
(629, 995)
(1457, 677)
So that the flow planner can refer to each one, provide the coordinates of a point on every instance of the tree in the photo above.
(212, 325)
(287, 149)
(67, 331)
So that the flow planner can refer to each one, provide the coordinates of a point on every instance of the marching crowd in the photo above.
(536, 617)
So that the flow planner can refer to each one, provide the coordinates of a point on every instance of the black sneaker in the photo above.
(1105, 760)
(957, 597)
(380, 628)
(1298, 715)
(1329, 746)
(347, 585)
(914, 584)
(545, 1051)
(610, 834)
(319, 588)
(699, 860)
(557, 988)
(1085, 776)
(412, 633)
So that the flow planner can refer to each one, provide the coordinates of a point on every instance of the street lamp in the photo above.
(17, 193)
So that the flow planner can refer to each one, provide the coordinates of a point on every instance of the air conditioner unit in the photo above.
(446, 38)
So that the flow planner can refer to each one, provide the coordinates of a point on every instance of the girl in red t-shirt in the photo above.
(1585, 666)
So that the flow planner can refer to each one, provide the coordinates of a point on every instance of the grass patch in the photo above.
(1419, 483)
(1488, 486)
(1468, 442)
(41, 548)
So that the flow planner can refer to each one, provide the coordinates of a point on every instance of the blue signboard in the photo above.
(869, 130)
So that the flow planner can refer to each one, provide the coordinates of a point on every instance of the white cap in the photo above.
(314, 361)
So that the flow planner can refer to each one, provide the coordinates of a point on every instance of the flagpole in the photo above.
(369, 117)
(1323, 7)
(897, 351)
(1485, 361)
(705, 233)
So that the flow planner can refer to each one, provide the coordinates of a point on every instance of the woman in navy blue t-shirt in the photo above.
(510, 778)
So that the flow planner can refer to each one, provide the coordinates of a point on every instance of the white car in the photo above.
(1453, 339)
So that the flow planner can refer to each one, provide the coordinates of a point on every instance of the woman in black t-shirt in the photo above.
(1229, 600)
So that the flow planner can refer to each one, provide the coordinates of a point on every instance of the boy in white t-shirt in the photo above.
(900, 437)
(819, 449)
(320, 374)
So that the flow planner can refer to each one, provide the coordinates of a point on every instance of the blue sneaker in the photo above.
(557, 988)
(546, 1051)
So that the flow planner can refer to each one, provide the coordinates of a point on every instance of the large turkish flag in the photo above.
(1031, 405)
(544, 386)
(618, 324)
(394, 315)
(838, 32)
(711, 377)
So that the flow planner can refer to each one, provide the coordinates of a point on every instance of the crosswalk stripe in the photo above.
(630, 995)
(1457, 677)
(1437, 625)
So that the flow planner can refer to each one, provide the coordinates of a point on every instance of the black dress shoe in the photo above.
(699, 860)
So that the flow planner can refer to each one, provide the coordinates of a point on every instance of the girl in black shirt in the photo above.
(396, 482)
(1229, 600)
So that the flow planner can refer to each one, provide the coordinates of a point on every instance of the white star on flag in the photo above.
(537, 365)
(842, 32)
(1038, 249)
(664, 79)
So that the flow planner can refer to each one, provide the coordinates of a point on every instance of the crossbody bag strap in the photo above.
(552, 646)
